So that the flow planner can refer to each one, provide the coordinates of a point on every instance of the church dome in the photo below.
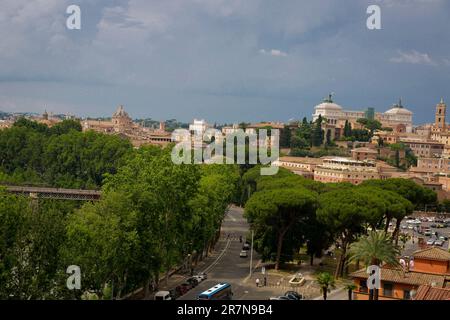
(328, 104)
(120, 112)
(399, 109)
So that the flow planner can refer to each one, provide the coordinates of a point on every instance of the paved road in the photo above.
(228, 266)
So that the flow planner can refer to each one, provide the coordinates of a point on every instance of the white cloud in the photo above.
(413, 57)
(273, 52)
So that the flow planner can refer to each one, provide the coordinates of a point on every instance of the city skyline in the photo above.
(224, 61)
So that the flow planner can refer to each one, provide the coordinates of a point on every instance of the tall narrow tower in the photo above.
(440, 115)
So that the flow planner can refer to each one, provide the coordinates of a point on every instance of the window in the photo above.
(363, 286)
(387, 289)
(406, 294)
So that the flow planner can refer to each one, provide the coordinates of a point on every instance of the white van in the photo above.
(163, 295)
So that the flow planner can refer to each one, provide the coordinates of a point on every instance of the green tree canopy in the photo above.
(275, 213)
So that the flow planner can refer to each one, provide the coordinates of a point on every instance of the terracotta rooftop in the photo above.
(397, 275)
(426, 292)
(433, 253)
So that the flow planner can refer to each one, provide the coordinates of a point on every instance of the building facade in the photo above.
(429, 267)
(338, 169)
(121, 123)
(398, 118)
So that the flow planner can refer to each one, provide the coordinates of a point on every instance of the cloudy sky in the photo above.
(222, 60)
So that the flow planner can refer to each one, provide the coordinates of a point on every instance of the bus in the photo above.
(221, 291)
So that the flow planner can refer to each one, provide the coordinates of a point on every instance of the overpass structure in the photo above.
(56, 193)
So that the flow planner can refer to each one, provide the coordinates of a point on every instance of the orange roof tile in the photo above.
(433, 253)
(426, 292)
(397, 275)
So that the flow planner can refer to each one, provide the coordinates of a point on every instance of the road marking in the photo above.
(218, 258)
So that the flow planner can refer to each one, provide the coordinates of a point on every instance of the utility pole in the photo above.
(251, 256)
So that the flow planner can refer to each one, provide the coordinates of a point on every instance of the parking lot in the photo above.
(435, 231)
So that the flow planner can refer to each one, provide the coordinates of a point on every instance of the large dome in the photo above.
(399, 109)
(328, 106)
(120, 112)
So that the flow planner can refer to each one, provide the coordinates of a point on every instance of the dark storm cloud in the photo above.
(223, 60)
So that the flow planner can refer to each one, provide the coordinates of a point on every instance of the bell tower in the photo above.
(440, 115)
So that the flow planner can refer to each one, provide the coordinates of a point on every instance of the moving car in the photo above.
(243, 254)
(246, 246)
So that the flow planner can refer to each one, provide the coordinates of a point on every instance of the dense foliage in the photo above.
(288, 212)
(152, 215)
(60, 156)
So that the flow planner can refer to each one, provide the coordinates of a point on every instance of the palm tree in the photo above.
(374, 249)
(350, 287)
(326, 282)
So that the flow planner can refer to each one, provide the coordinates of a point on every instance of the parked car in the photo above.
(202, 275)
(243, 254)
(279, 298)
(439, 243)
(440, 225)
(433, 225)
(173, 294)
(430, 242)
(163, 295)
(443, 238)
(185, 287)
(193, 282)
(182, 289)
(246, 246)
(295, 294)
